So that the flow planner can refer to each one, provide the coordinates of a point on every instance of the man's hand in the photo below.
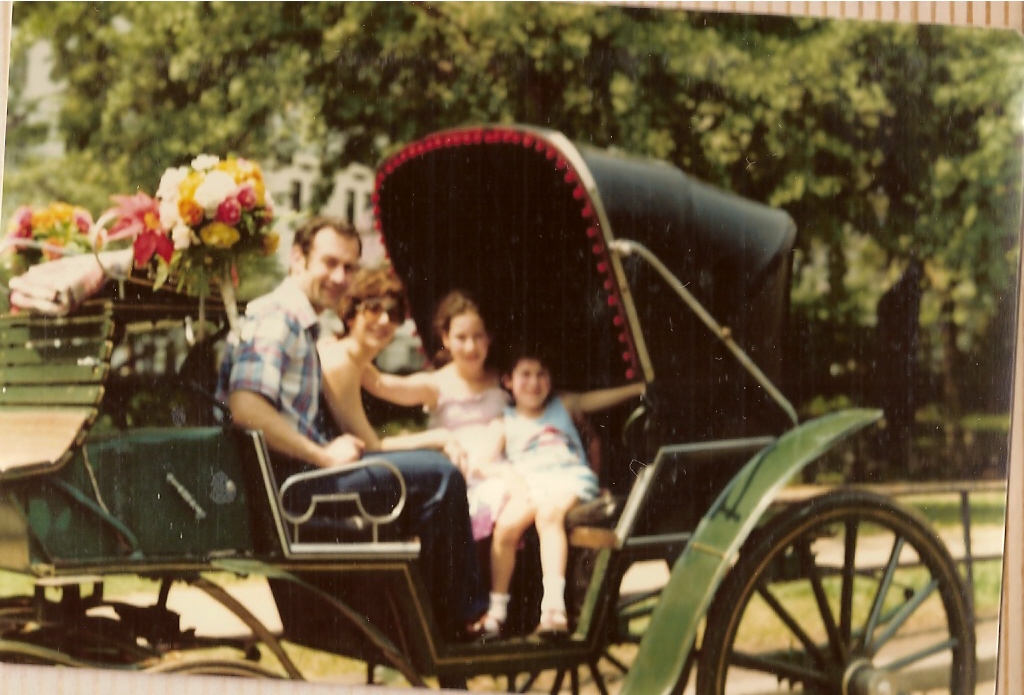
(344, 449)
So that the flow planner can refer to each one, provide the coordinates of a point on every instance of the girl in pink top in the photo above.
(463, 396)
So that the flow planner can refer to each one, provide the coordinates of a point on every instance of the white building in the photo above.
(291, 188)
(44, 95)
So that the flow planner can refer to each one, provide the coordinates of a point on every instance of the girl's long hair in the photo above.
(453, 304)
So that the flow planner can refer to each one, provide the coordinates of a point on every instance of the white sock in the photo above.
(499, 606)
(554, 593)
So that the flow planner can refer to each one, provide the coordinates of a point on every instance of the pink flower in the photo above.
(135, 215)
(247, 196)
(21, 223)
(229, 211)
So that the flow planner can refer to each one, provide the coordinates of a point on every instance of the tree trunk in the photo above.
(952, 429)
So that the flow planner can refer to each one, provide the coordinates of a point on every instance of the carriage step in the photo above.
(69, 580)
(390, 550)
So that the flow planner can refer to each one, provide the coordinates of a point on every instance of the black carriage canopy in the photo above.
(523, 219)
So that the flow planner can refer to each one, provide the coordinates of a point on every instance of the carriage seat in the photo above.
(52, 373)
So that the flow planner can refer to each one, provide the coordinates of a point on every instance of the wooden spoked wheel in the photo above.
(848, 594)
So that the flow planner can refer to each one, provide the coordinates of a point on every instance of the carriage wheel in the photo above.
(848, 593)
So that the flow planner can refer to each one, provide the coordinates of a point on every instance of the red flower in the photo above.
(83, 221)
(229, 211)
(247, 196)
(149, 243)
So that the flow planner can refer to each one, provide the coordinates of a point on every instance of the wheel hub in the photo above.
(862, 678)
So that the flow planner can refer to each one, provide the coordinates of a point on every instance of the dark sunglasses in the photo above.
(374, 307)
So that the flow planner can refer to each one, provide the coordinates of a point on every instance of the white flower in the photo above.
(205, 162)
(182, 236)
(217, 186)
(169, 183)
(169, 215)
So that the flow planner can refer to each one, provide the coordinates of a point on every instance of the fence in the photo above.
(962, 489)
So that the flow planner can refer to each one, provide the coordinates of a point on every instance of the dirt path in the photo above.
(209, 618)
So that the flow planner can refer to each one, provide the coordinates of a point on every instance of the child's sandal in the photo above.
(554, 622)
(483, 629)
(491, 628)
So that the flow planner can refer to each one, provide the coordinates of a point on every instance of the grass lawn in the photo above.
(943, 511)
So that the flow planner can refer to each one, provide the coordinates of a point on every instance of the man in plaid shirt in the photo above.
(271, 380)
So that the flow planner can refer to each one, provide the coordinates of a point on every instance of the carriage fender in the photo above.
(715, 545)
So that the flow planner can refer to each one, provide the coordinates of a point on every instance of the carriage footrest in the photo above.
(593, 538)
(600, 512)
(389, 550)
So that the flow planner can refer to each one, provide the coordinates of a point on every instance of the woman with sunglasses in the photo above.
(436, 511)
(372, 309)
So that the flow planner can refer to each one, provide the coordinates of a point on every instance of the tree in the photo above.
(148, 86)
(885, 142)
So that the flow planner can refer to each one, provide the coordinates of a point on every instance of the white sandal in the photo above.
(554, 622)
(491, 627)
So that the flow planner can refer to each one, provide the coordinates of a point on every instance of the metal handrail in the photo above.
(627, 247)
(375, 521)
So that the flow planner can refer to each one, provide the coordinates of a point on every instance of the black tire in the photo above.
(843, 609)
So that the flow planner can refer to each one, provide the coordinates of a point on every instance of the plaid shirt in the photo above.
(276, 357)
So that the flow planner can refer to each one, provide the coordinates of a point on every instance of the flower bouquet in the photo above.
(204, 221)
(37, 236)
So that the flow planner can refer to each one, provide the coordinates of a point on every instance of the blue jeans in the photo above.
(436, 511)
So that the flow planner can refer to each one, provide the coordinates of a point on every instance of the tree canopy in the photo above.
(885, 142)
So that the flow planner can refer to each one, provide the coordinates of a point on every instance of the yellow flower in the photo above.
(151, 221)
(270, 242)
(190, 211)
(261, 192)
(62, 212)
(42, 219)
(219, 235)
(187, 188)
(230, 167)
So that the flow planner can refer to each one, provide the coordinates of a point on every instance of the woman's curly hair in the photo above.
(375, 283)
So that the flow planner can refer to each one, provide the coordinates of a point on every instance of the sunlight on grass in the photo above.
(763, 630)
(943, 511)
(762, 627)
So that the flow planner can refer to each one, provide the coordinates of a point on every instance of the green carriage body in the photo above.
(542, 223)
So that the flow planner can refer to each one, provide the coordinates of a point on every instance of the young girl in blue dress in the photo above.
(550, 475)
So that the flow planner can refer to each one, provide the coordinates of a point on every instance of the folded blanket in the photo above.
(57, 288)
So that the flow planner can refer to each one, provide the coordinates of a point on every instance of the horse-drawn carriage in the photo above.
(627, 270)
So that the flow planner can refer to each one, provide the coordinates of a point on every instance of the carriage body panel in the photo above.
(142, 500)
